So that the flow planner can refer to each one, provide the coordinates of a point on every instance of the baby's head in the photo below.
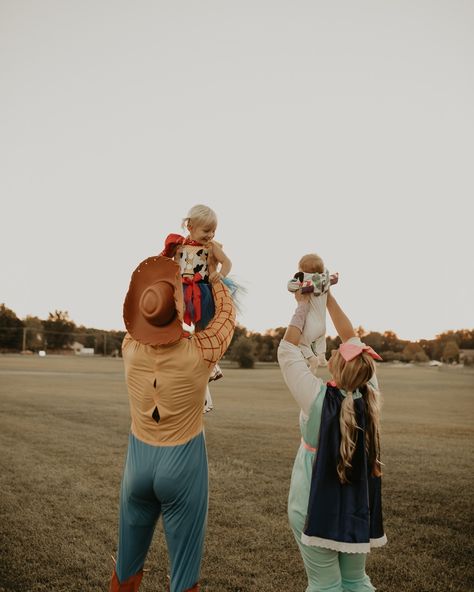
(201, 223)
(311, 263)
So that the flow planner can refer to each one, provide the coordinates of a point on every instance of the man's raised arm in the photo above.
(216, 337)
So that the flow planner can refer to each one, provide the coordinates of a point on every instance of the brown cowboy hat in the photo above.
(153, 307)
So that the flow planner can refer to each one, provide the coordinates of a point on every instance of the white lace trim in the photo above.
(313, 541)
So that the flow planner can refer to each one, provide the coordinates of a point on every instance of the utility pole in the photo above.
(105, 344)
(24, 339)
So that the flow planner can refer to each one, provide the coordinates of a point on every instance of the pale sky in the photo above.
(343, 128)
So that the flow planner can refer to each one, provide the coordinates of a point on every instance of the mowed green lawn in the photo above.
(63, 434)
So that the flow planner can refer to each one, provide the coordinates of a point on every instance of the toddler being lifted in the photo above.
(312, 277)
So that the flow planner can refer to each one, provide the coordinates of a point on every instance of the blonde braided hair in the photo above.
(350, 376)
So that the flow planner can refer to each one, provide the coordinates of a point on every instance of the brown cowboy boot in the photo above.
(132, 584)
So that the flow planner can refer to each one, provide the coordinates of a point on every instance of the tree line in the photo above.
(248, 348)
(58, 332)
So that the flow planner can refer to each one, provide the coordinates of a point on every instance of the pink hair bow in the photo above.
(349, 351)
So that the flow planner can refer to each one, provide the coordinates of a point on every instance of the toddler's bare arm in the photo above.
(220, 257)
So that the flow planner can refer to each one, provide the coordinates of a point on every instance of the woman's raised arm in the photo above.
(303, 385)
(341, 321)
(295, 328)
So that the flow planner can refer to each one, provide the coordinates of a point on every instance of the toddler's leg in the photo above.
(310, 359)
(306, 350)
(313, 364)
(319, 349)
(314, 330)
(315, 324)
(216, 373)
(354, 578)
(208, 406)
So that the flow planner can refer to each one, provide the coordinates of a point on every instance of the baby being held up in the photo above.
(312, 277)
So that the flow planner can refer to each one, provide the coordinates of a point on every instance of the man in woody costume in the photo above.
(166, 471)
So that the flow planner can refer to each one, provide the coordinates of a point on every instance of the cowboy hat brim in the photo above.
(148, 272)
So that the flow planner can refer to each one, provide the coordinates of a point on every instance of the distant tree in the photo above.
(269, 343)
(375, 340)
(109, 342)
(391, 356)
(101, 343)
(278, 333)
(451, 352)
(430, 348)
(243, 352)
(466, 338)
(239, 331)
(258, 344)
(391, 342)
(58, 330)
(268, 347)
(468, 361)
(89, 340)
(11, 329)
(450, 336)
(116, 342)
(34, 333)
(332, 343)
(463, 337)
(421, 357)
(413, 352)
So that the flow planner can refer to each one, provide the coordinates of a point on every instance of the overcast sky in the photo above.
(343, 128)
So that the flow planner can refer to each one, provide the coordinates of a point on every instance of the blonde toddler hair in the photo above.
(311, 263)
(199, 215)
(350, 376)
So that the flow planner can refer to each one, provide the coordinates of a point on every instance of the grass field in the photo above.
(63, 434)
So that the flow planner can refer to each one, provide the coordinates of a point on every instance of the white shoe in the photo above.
(216, 373)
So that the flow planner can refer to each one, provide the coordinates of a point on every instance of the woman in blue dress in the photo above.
(334, 503)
